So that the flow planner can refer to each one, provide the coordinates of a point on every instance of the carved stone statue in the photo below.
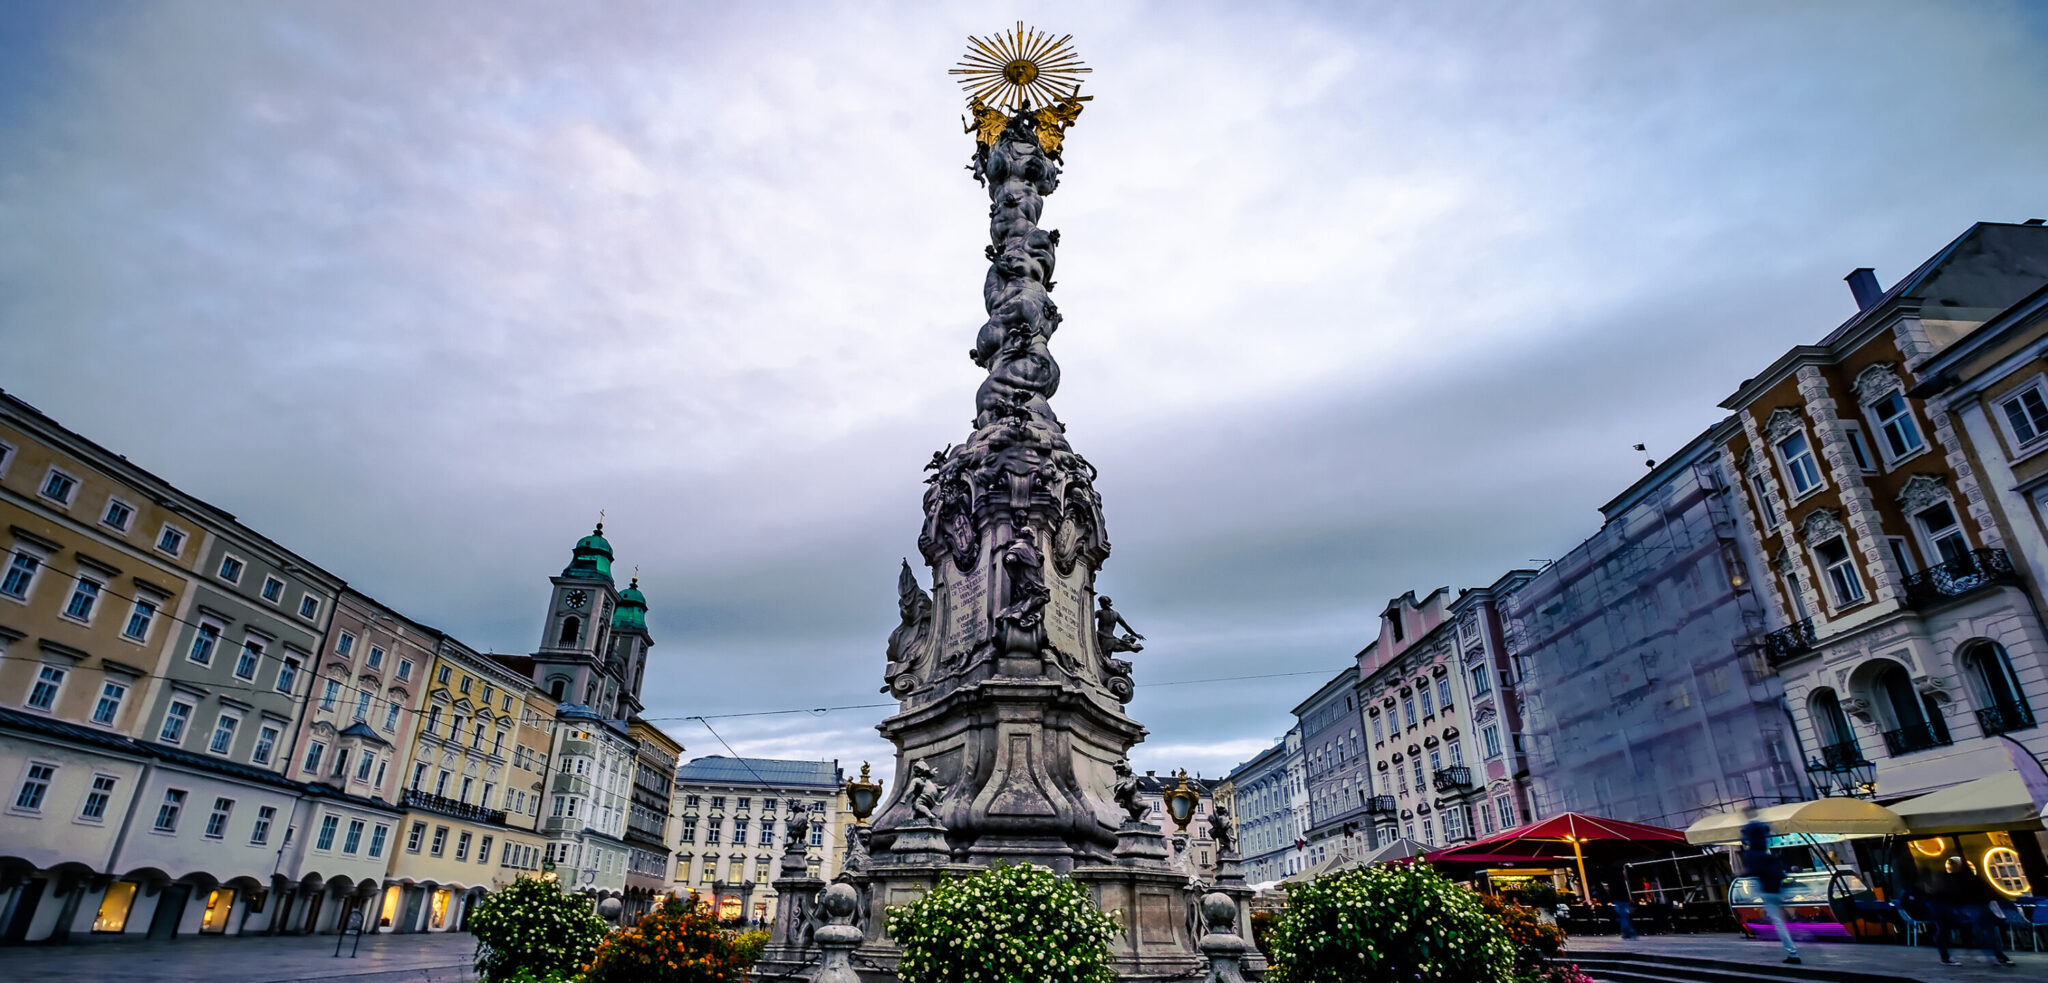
(1219, 828)
(1107, 621)
(857, 858)
(1126, 791)
(911, 641)
(799, 832)
(1024, 566)
(924, 792)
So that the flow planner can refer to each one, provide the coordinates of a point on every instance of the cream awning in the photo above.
(2001, 801)
(1841, 816)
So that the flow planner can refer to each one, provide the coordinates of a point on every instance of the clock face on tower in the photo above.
(578, 598)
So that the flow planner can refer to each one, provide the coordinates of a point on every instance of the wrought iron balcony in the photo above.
(1381, 805)
(1843, 756)
(1970, 572)
(1792, 640)
(2003, 719)
(1452, 779)
(1918, 737)
(451, 807)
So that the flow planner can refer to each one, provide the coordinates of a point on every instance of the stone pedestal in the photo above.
(920, 842)
(1221, 943)
(1140, 844)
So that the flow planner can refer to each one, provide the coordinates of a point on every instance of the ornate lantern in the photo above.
(862, 795)
(1181, 800)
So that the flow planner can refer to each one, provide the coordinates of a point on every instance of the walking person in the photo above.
(1623, 923)
(1964, 902)
(1769, 872)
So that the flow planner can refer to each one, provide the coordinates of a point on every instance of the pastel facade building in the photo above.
(732, 820)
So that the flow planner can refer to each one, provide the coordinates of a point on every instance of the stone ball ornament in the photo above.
(609, 909)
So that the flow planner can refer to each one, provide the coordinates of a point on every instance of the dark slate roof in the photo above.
(758, 771)
(1157, 784)
(362, 730)
(67, 731)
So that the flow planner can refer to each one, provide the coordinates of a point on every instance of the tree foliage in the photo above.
(1003, 925)
(534, 926)
(1388, 922)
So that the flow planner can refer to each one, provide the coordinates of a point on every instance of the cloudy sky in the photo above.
(1360, 298)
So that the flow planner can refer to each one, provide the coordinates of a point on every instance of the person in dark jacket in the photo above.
(1769, 872)
(1963, 903)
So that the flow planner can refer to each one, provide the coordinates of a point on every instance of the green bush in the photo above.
(748, 944)
(1003, 925)
(674, 943)
(532, 926)
(1388, 922)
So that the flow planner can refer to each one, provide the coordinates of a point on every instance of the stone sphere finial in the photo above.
(1220, 912)
(609, 909)
(839, 900)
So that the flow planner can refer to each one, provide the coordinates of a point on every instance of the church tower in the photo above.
(571, 663)
(629, 645)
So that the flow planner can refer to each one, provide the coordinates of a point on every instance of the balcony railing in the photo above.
(1843, 756)
(1917, 737)
(1792, 640)
(451, 807)
(1381, 804)
(2000, 720)
(1972, 571)
(1452, 779)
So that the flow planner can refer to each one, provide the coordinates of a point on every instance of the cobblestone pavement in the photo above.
(382, 959)
(1920, 962)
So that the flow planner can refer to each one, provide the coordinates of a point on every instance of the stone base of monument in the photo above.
(1138, 841)
(920, 842)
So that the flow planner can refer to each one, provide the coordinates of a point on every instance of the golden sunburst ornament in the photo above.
(1017, 68)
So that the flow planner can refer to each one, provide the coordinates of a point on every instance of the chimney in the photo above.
(1863, 283)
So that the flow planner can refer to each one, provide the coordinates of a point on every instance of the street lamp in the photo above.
(1180, 801)
(862, 795)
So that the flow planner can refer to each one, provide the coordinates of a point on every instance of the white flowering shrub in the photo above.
(1388, 922)
(1004, 925)
(532, 925)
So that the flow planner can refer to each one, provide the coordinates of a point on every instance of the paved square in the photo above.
(382, 959)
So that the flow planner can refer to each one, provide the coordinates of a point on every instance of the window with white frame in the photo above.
(204, 641)
(249, 658)
(1443, 693)
(6, 456)
(1941, 534)
(266, 744)
(391, 715)
(313, 753)
(364, 765)
(376, 660)
(94, 808)
(345, 644)
(1859, 448)
(140, 615)
(328, 826)
(362, 704)
(1894, 419)
(231, 568)
(329, 693)
(177, 716)
(85, 596)
(1490, 736)
(223, 740)
(309, 606)
(217, 820)
(1844, 581)
(59, 487)
(404, 670)
(171, 540)
(273, 589)
(2026, 415)
(43, 693)
(377, 838)
(1798, 596)
(1796, 453)
(1763, 501)
(1901, 553)
(35, 786)
(118, 515)
(168, 810)
(287, 674)
(109, 706)
(354, 840)
(1505, 807)
(265, 815)
(21, 574)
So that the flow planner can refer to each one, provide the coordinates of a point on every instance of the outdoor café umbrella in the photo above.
(1561, 836)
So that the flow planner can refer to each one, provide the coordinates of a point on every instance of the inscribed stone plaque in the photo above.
(1064, 620)
(966, 614)
(1155, 919)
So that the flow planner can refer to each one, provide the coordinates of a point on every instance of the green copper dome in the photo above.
(592, 558)
(632, 611)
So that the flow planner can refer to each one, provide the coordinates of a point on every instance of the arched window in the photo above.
(2001, 706)
(558, 686)
(1838, 739)
(571, 627)
(1917, 723)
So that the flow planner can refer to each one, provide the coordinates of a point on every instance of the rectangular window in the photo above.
(1901, 555)
(329, 694)
(265, 815)
(250, 657)
(364, 765)
(167, 813)
(83, 597)
(59, 487)
(345, 644)
(404, 669)
(363, 705)
(465, 685)
(95, 807)
(273, 589)
(223, 733)
(309, 606)
(203, 642)
(1490, 736)
(690, 829)
(1763, 501)
(441, 675)
(1443, 693)
(118, 515)
(1378, 734)
(462, 846)
(171, 540)
(1841, 571)
(354, 840)
(483, 850)
(414, 836)
(1798, 596)
(391, 715)
(328, 826)
(217, 820)
(313, 753)
(1800, 469)
(376, 660)
(287, 674)
(1482, 681)
(1408, 710)
(440, 840)
(441, 785)
(377, 837)
(467, 784)
(1895, 419)
(2027, 413)
(176, 716)
(113, 913)
(109, 705)
(139, 618)
(1505, 807)
(231, 569)
(1859, 449)
(21, 572)
(34, 786)
(49, 679)
(1942, 532)
(340, 761)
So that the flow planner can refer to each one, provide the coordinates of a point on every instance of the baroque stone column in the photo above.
(1009, 691)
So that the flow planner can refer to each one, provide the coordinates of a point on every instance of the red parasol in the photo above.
(1563, 836)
